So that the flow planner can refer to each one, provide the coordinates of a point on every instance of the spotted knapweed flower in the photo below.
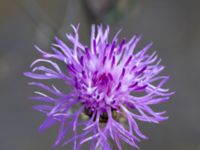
(112, 87)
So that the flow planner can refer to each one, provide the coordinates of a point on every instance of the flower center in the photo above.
(103, 82)
(97, 94)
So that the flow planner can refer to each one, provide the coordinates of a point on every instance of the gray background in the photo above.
(173, 25)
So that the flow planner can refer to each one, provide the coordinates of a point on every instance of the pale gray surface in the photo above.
(173, 25)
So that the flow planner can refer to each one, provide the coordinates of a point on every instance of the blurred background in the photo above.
(173, 26)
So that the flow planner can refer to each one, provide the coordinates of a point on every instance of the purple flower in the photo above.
(112, 87)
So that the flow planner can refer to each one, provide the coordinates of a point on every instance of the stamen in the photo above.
(104, 60)
(122, 74)
(140, 88)
(87, 53)
(118, 86)
(110, 76)
(81, 61)
(105, 49)
(69, 66)
(141, 71)
(112, 49)
(113, 62)
(121, 45)
(84, 75)
(133, 85)
(128, 60)
(133, 68)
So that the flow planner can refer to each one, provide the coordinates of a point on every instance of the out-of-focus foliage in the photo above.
(108, 10)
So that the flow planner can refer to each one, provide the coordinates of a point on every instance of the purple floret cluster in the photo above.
(112, 87)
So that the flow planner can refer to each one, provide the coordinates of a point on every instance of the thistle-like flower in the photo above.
(112, 87)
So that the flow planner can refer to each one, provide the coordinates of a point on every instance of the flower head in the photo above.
(112, 87)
